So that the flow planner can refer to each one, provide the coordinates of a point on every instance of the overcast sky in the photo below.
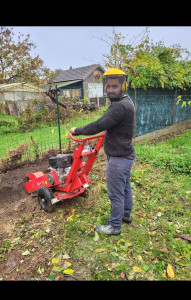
(63, 46)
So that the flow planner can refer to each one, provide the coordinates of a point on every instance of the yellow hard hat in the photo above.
(113, 71)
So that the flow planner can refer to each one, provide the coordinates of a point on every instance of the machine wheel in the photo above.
(84, 194)
(44, 198)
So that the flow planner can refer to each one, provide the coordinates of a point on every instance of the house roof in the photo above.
(20, 86)
(77, 73)
(59, 84)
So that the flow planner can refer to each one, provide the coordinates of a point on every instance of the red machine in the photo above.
(68, 176)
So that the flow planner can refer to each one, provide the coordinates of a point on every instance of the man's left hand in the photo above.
(73, 130)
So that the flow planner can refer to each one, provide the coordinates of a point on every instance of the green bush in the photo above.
(36, 114)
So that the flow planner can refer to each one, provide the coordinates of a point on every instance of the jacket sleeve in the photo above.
(112, 117)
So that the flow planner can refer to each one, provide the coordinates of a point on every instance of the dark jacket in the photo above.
(118, 122)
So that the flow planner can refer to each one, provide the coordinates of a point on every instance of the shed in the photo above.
(14, 96)
(82, 82)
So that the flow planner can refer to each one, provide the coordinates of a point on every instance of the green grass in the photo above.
(175, 154)
(45, 137)
(145, 248)
(161, 210)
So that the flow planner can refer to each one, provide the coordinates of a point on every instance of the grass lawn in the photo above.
(175, 154)
(155, 246)
(45, 137)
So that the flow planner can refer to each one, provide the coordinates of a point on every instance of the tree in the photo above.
(176, 69)
(57, 71)
(148, 64)
(135, 59)
(16, 62)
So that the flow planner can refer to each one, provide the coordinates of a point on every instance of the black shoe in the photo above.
(127, 219)
(108, 229)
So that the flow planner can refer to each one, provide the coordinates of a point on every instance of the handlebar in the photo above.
(86, 139)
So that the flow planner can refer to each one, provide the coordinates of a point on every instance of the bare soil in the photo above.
(14, 200)
(16, 203)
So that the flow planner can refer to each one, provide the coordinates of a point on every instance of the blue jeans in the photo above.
(118, 171)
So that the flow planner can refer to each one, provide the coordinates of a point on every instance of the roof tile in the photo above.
(74, 74)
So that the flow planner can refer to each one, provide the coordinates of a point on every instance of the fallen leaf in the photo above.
(121, 241)
(159, 214)
(65, 256)
(26, 252)
(80, 258)
(68, 271)
(153, 228)
(122, 275)
(111, 266)
(40, 270)
(183, 236)
(137, 269)
(69, 219)
(178, 258)
(163, 275)
(96, 238)
(152, 233)
(139, 258)
(100, 250)
(164, 250)
(66, 264)
(169, 271)
(57, 268)
(55, 260)
(139, 213)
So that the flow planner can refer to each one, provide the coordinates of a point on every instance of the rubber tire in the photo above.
(44, 198)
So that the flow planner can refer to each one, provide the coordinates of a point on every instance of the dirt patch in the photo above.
(12, 182)
(14, 200)
(17, 207)
(23, 225)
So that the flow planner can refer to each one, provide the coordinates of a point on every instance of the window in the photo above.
(95, 90)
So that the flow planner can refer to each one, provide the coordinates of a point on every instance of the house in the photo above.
(83, 82)
(14, 96)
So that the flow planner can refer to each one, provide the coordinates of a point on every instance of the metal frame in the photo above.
(77, 179)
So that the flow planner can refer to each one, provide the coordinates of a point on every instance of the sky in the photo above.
(62, 47)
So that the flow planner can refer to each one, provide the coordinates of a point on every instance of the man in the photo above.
(118, 122)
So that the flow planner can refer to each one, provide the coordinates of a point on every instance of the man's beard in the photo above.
(114, 96)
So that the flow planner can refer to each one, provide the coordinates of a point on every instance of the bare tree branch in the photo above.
(52, 96)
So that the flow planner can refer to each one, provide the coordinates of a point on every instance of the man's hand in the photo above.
(72, 130)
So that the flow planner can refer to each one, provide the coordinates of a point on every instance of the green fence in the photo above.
(157, 108)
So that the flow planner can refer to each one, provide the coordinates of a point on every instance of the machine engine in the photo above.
(61, 163)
